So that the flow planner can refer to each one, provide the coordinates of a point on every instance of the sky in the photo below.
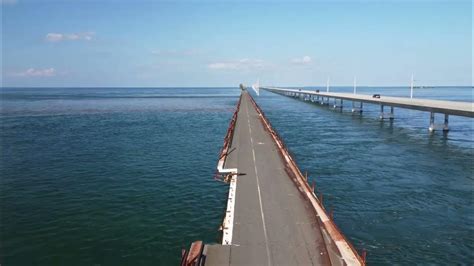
(119, 43)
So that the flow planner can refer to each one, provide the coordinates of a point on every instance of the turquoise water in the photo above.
(123, 176)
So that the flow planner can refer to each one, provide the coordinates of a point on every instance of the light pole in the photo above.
(355, 84)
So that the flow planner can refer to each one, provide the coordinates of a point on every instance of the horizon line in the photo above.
(236, 86)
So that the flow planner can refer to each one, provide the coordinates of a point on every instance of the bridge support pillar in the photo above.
(446, 122)
(338, 106)
(444, 126)
(355, 108)
(324, 102)
(386, 115)
(432, 124)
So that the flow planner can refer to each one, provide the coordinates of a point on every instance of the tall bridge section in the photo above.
(336, 99)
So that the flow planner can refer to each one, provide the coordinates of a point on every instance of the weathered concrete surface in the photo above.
(216, 254)
(273, 223)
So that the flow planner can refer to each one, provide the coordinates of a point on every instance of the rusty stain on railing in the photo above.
(227, 141)
(193, 256)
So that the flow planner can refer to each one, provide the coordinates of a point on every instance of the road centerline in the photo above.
(258, 188)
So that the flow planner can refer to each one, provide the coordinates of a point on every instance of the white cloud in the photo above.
(305, 60)
(174, 52)
(242, 64)
(32, 72)
(58, 37)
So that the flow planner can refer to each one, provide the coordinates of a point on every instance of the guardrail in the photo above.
(225, 148)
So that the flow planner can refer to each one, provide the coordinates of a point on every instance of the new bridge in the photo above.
(336, 99)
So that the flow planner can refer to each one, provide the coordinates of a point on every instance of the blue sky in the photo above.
(72, 43)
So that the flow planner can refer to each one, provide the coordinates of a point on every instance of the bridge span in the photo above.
(273, 216)
(447, 108)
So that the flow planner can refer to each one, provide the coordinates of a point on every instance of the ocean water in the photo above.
(123, 176)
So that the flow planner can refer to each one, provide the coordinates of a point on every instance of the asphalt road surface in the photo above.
(273, 224)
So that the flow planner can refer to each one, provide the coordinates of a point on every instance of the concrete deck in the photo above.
(445, 107)
(273, 223)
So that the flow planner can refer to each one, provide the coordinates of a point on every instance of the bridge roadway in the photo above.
(435, 106)
(273, 224)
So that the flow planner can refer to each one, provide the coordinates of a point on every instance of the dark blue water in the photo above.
(124, 176)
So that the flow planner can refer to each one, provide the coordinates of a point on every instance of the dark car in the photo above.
(376, 96)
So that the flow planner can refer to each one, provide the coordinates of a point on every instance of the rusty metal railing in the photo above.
(193, 257)
(227, 140)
